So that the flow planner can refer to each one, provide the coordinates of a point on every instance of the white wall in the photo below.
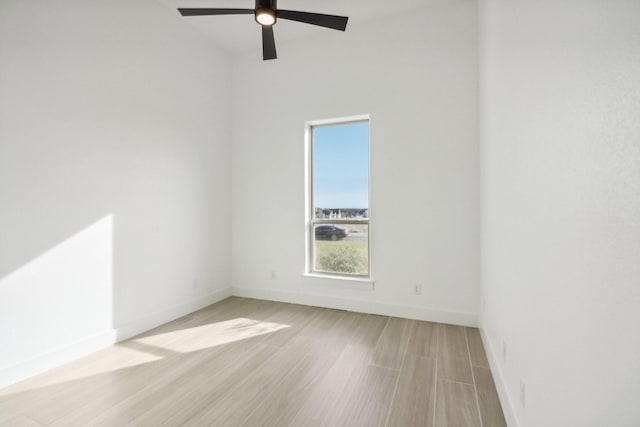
(416, 75)
(560, 120)
(114, 175)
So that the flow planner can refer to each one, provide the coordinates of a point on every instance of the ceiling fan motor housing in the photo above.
(266, 4)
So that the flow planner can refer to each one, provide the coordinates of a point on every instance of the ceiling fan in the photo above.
(266, 14)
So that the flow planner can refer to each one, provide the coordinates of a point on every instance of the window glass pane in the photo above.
(341, 248)
(341, 168)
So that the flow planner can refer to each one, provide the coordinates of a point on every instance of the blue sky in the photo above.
(341, 166)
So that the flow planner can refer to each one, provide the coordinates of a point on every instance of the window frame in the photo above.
(311, 221)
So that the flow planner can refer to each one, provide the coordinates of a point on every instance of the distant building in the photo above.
(342, 213)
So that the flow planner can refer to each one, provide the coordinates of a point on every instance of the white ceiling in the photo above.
(236, 33)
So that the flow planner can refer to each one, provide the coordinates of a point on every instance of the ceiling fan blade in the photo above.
(200, 12)
(268, 43)
(329, 21)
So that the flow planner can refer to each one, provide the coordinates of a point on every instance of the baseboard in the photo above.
(161, 317)
(501, 386)
(361, 306)
(57, 357)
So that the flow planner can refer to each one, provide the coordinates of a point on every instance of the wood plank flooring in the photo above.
(244, 362)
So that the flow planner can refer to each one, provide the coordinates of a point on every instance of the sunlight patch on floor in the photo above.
(211, 335)
(151, 349)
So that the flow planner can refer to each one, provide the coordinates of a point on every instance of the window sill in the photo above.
(362, 283)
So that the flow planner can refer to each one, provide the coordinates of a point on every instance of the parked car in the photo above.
(331, 232)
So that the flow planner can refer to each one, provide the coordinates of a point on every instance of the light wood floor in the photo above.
(258, 363)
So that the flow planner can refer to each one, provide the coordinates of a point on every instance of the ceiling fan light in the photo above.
(265, 17)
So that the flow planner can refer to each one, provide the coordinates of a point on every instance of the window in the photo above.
(337, 177)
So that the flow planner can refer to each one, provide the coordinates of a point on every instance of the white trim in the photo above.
(338, 120)
(360, 306)
(310, 220)
(62, 355)
(356, 282)
(501, 386)
(308, 197)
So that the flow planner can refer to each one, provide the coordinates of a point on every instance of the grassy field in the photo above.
(326, 250)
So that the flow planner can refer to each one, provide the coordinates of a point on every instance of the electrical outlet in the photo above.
(417, 289)
(504, 352)
(484, 305)
(273, 275)
(194, 284)
(523, 389)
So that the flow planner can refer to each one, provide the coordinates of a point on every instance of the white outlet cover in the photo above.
(523, 390)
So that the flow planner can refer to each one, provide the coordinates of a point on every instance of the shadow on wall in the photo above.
(42, 300)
